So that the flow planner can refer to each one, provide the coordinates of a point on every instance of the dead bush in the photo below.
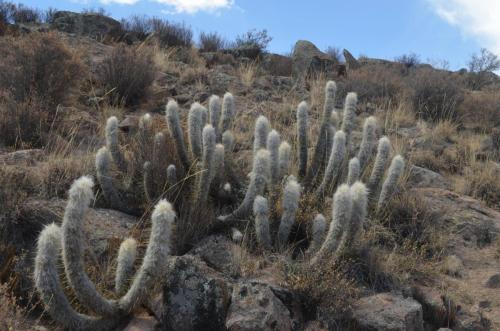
(38, 65)
(481, 180)
(435, 95)
(127, 73)
(211, 42)
(172, 34)
(480, 109)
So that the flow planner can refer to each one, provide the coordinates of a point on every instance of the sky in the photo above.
(436, 30)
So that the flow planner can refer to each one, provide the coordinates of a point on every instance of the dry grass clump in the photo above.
(481, 110)
(435, 95)
(127, 73)
(248, 73)
(480, 180)
(211, 42)
(12, 315)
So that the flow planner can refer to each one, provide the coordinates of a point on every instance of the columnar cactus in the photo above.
(302, 128)
(195, 127)
(273, 145)
(226, 121)
(113, 145)
(354, 171)
(333, 169)
(291, 196)
(383, 153)
(174, 126)
(125, 265)
(349, 113)
(214, 109)
(69, 238)
(367, 142)
(261, 213)
(262, 128)
(207, 164)
(284, 152)
(393, 175)
(317, 234)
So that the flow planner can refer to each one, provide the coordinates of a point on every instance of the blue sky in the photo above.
(434, 29)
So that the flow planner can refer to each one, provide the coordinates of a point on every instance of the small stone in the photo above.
(493, 281)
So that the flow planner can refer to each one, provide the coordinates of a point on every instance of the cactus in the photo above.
(69, 237)
(207, 164)
(273, 145)
(261, 213)
(354, 171)
(113, 145)
(195, 127)
(393, 175)
(262, 128)
(341, 214)
(317, 234)
(367, 142)
(258, 181)
(174, 126)
(383, 152)
(219, 166)
(214, 109)
(171, 175)
(359, 197)
(284, 152)
(291, 197)
(349, 113)
(149, 191)
(333, 169)
(125, 265)
(227, 112)
(236, 235)
(302, 128)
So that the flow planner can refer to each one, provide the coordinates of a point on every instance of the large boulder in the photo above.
(195, 297)
(388, 312)
(89, 24)
(307, 59)
(255, 306)
(422, 177)
(350, 60)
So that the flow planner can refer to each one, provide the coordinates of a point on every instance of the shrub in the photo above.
(480, 67)
(171, 34)
(435, 95)
(24, 14)
(253, 39)
(38, 66)
(127, 73)
(139, 26)
(408, 60)
(335, 53)
(211, 42)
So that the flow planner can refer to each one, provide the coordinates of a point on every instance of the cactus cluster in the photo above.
(66, 241)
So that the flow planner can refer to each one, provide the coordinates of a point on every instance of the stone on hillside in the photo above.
(388, 312)
(27, 157)
(195, 296)
(493, 281)
(308, 59)
(254, 306)
(350, 60)
(90, 24)
(422, 177)
(433, 305)
(217, 252)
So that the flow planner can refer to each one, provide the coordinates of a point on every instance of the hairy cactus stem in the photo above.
(261, 213)
(174, 126)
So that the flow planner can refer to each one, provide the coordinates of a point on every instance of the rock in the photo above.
(217, 252)
(422, 177)
(308, 59)
(493, 281)
(453, 266)
(387, 311)
(277, 65)
(254, 306)
(434, 309)
(350, 60)
(28, 157)
(467, 321)
(141, 323)
(467, 218)
(221, 82)
(195, 296)
(93, 25)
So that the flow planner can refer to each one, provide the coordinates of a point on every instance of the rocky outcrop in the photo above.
(93, 25)
(350, 61)
(422, 177)
(307, 59)
(388, 312)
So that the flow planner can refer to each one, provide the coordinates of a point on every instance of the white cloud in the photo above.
(475, 18)
(182, 6)
(193, 6)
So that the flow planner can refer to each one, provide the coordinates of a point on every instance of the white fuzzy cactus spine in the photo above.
(80, 195)
(148, 182)
(113, 145)
(329, 106)
(261, 213)
(262, 128)
(317, 234)
(273, 145)
(218, 173)
(341, 213)
(379, 166)
(351, 101)
(47, 283)
(393, 175)
(359, 196)
(125, 265)
(354, 171)
(195, 127)
(227, 112)
(214, 109)
(334, 167)
(302, 128)
(285, 152)
(111, 193)
(174, 126)
(367, 142)
(171, 176)
(207, 164)
(291, 196)
(258, 180)
(153, 267)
